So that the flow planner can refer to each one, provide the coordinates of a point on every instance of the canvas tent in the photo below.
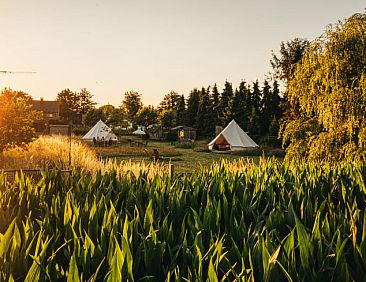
(232, 138)
(100, 131)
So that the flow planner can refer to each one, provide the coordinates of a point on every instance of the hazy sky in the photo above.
(151, 46)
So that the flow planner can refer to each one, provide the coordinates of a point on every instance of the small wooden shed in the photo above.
(185, 132)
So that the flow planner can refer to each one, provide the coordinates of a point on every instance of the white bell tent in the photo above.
(232, 138)
(100, 131)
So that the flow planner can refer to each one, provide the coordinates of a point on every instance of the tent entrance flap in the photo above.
(221, 144)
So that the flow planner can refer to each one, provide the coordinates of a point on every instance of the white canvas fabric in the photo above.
(139, 132)
(101, 130)
(235, 137)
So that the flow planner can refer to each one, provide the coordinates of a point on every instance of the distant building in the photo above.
(59, 129)
(155, 132)
(185, 132)
(51, 113)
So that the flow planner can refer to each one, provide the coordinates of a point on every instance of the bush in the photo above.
(185, 144)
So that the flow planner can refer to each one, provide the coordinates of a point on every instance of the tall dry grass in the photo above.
(53, 151)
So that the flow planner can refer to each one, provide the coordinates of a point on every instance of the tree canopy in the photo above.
(74, 104)
(16, 118)
(131, 104)
(329, 89)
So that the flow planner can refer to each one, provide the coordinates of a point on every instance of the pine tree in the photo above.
(267, 111)
(254, 119)
(233, 109)
(226, 95)
(181, 111)
(192, 107)
(245, 105)
(215, 105)
(203, 118)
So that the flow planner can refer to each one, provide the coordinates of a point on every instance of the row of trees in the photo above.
(256, 108)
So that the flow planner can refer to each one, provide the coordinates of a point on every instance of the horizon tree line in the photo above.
(256, 109)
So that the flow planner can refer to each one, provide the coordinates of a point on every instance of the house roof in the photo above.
(47, 107)
(180, 127)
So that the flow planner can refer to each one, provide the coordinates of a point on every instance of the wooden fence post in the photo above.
(171, 170)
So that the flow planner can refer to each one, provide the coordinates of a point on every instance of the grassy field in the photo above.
(184, 160)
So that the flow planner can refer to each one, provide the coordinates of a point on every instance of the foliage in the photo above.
(329, 90)
(192, 107)
(291, 53)
(107, 109)
(185, 144)
(167, 119)
(93, 116)
(116, 118)
(16, 118)
(75, 104)
(170, 101)
(204, 114)
(146, 116)
(181, 111)
(131, 104)
(234, 221)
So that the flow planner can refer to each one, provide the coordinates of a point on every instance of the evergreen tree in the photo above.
(233, 109)
(181, 111)
(215, 105)
(245, 106)
(275, 110)
(203, 118)
(267, 111)
(254, 119)
(192, 107)
(226, 95)
(84, 101)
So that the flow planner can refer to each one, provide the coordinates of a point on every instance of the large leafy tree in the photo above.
(131, 104)
(75, 104)
(107, 109)
(116, 118)
(329, 88)
(167, 119)
(170, 101)
(93, 116)
(146, 116)
(16, 118)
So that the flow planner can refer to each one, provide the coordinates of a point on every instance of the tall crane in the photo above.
(6, 72)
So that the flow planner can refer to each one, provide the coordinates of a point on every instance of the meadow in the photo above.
(236, 220)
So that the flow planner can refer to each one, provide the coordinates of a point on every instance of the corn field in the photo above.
(232, 222)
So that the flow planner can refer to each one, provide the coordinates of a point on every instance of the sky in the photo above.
(151, 46)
